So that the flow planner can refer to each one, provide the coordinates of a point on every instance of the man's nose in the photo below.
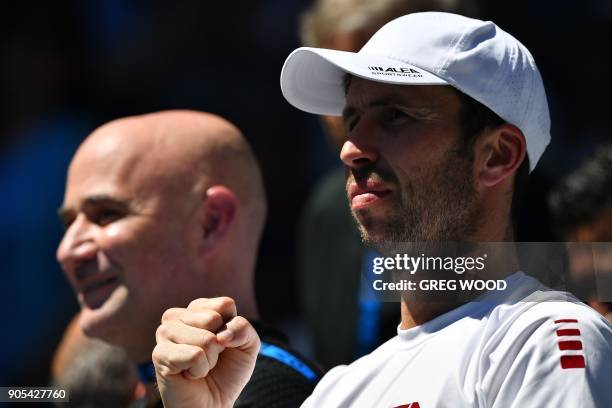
(358, 150)
(77, 245)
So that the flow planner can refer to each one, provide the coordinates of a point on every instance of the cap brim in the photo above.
(312, 78)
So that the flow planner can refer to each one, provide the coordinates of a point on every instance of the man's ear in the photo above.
(218, 214)
(498, 154)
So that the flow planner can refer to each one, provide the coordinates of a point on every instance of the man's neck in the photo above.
(419, 307)
(416, 313)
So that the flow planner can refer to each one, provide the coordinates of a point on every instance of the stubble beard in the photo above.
(440, 207)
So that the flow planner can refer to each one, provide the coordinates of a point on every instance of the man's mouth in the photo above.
(96, 289)
(95, 285)
(367, 194)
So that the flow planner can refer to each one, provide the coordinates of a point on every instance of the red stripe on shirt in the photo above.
(568, 332)
(570, 345)
(572, 362)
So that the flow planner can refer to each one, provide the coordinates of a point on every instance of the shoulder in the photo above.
(544, 321)
(554, 316)
(579, 334)
(549, 345)
(535, 310)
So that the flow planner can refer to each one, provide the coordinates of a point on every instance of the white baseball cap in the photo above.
(432, 48)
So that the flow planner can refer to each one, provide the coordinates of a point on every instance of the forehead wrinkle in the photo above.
(389, 100)
(431, 101)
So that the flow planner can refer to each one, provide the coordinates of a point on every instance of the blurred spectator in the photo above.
(582, 209)
(331, 257)
(96, 374)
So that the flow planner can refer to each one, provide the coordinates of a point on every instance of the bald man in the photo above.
(161, 209)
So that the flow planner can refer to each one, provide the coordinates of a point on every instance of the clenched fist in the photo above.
(205, 354)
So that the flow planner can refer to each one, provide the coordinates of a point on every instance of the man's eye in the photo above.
(105, 216)
(393, 116)
(351, 124)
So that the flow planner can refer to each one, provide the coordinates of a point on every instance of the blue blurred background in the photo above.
(68, 66)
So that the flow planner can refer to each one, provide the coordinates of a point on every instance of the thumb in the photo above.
(239, 334)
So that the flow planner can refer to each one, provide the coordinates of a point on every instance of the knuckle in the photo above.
(226, 302)
(198, 303)
(164, 371)
(171, 314)
(163, 331)
(195, 354)
(157, 355)
(212, 319)
(240, 323)
(207, 338)
(257, 342)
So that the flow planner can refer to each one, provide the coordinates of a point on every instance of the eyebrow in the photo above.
(95, 200)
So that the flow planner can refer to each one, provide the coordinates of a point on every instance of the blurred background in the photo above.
(66, 67)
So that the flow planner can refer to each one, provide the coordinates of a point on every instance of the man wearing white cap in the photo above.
(443, 115)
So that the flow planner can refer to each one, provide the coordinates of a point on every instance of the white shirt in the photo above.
(527, 346)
